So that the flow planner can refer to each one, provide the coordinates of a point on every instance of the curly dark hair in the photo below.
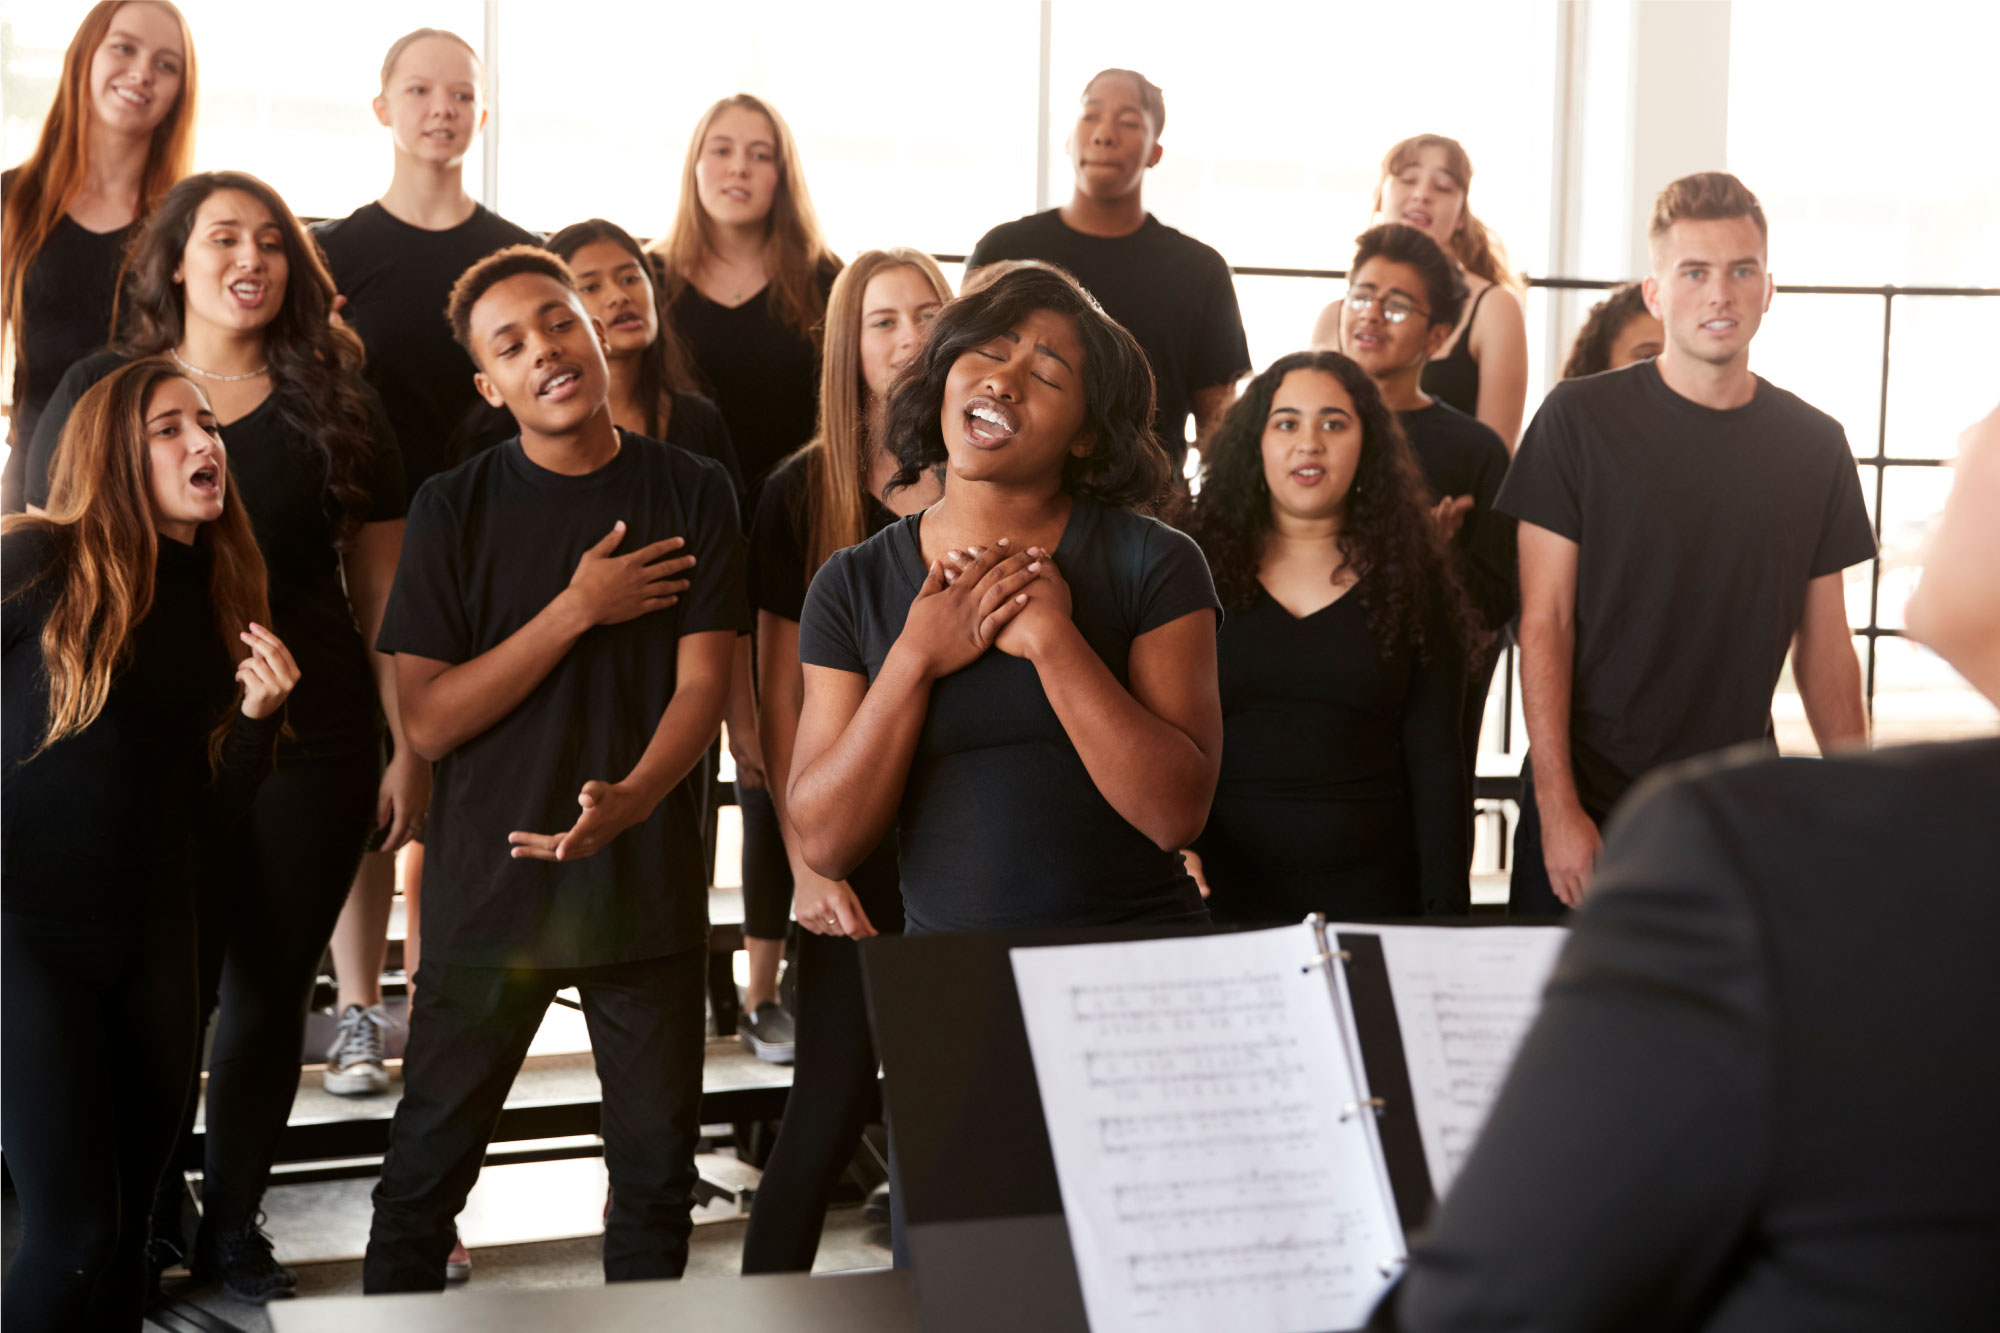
(1125, 468)
(1591, 353)
(1387, 534)
(315, 367)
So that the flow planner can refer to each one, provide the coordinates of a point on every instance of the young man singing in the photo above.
(1404, 297)
(1682, 524)
(563, 620)
(1172, 293)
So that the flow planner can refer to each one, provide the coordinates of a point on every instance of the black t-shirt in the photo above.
(91, 821)
(764, 374)
(1462, 455)
(1699, 530)
(1343, 781)
(490, 543)
(1172, 292)
(1000, 825)
(396, 279)
(779, 540)
(66, 300)
(334, 709)
(782, 533)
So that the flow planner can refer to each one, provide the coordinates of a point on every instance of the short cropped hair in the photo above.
(1706, 196)
(408, 39)
(1150, 96)
(496, 268)
(1399, 243)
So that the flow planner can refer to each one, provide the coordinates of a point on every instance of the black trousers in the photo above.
(268, 901)
(95, 1058)
(834, 1087)
(1529, 892)
(767, 872)
(468, 1035)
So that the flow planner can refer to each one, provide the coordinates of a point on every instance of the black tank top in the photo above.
(1455, 376)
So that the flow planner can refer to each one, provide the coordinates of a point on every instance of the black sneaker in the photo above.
(768, 1033)
(240, 1259)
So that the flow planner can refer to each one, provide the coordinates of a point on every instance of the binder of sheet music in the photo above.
(1217, 1169)
(1215, 1135)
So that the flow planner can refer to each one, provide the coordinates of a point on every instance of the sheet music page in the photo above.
(1198, 1095)
(1464, 999)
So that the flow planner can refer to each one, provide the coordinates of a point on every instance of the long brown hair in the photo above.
(795, 250)
(101, 510)
(664, 367)
(315, 367)
(1473, 244)
(47, 183)
(840, 457)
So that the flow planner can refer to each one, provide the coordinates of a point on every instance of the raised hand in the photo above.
(608, 810)
(1449, 515)
(955, 619)
(267, 675)
(1046, 610)
(610, 589)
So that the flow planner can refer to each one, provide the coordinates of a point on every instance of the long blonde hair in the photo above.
(47, 183)
(795, 249)
(840, 457)
(101, 507)
(1473, 244)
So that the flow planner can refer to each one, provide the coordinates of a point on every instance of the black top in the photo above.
(696, 426)
(779, 540)
(334, 709)
(1462, 455)
(91, 821)
(1172, 292)
(1762, 1088)
(1343, 784)
(764, 373)
(396, 279)
(782, 534)
(66, 300)
(490, 543)
(1699, 531)
(1000, 824)
(1454, 377)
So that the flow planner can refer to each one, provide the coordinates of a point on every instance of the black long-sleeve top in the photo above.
(1343, 783)
(1763, 1086)
(91, 821)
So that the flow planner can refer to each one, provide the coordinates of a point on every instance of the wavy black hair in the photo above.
(1387, 535)
(1400, 243)
(1125, 468)
(315, 367)
(1591, 353)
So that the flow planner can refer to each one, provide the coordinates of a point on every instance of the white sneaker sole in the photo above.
(364, 1080)
(770, 1052)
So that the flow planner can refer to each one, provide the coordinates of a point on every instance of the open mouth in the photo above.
(989, 423)
(1719, 325)
(559, 384)
(1368, 340)
(248, 291)
(207, 480)
(1312, 474)
(441, 134)
(133, 97)
(630, 321)
(1417, 217)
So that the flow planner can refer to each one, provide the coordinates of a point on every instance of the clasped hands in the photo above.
(986, 597)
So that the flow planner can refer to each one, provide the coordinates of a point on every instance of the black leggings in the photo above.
(767, 872)
(98, 1047)
(833, 1084)
(267, 907)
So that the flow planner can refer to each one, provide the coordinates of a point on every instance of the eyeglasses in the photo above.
(1394, 308)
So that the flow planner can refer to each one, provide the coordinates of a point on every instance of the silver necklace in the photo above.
(185, 364)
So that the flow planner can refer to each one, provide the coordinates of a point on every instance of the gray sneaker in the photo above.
(354, 1063)
(768, 1033)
